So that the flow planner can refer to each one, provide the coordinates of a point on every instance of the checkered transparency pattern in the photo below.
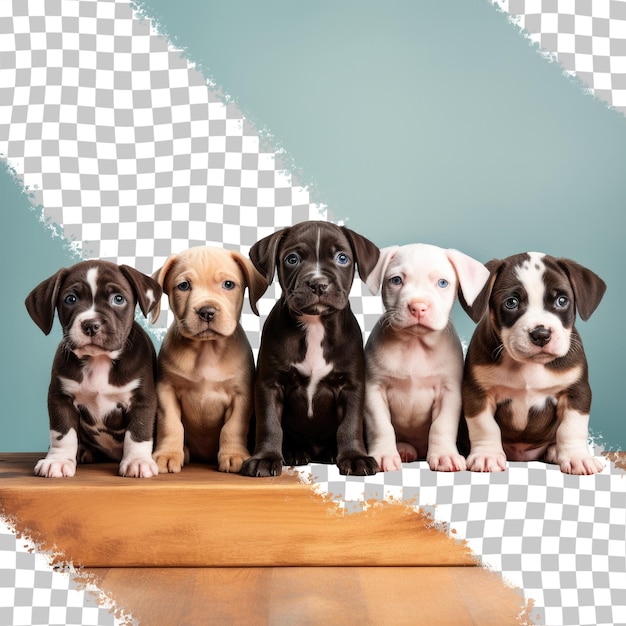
(31, 592)
(559, 538)
(587, 37)
(133, 156)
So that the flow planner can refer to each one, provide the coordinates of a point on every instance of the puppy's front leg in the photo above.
(233, 450)
(137, 461)
(352, 458)
(571, 451)
(379, 431)
(60, 462)
(267, 459)
(486, 453)
(169, 452)
(443, 455)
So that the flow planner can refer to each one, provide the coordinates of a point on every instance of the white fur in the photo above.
(99, 397)
(314, 365)
(61, 458)
(137, 461)
(414, 359)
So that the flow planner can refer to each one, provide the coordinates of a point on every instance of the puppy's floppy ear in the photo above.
(257, 285)
(159, 276)
(480, 304)
(377, 275)
(147, 290)
(263, 254)
(588, 287)
(366, 253)
(42, 300)
(472, 274)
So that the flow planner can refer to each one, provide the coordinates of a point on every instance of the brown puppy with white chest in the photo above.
(526, 395)
(205, 365)
(310, 386)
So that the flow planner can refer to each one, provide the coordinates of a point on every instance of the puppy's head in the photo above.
(315, 262)
(420, 282)
(205, 286)
(532, 299)
(95, 301)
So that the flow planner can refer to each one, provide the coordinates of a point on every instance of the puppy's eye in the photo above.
(292, 259)
(184, 286)
(511, 303)
(342, 258)
(118, 299)
(395, 280)
(561, 302)
(228, 285)
(70, 299)
(443, 283)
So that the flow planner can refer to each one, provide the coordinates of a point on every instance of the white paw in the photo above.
(487, 462)
(454, 462)
(389, 462)
(55, 468)
(583, 464)
(138, 468)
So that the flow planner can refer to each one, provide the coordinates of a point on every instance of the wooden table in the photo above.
(202, 547)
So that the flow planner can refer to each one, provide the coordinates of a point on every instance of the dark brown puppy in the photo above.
(309, 389)
(526, 395)
(102, 398)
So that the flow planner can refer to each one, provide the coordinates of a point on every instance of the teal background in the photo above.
(413, 121)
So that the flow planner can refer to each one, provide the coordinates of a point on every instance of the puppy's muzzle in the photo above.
(540, 336)
(418, 308)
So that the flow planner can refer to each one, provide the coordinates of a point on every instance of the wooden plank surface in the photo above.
(319, 595)
(204, 518)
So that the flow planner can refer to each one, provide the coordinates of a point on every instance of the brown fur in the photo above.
(205, 367)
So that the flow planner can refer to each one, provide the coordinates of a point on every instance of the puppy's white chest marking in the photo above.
(527, 386)
(94, 392)
(314, 365)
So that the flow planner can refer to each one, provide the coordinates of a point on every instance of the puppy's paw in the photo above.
(446, 462)
(358, 466)
(55, 468)
(295, 457)
(263, 466)
(487, 462)
(139, 467)
(231, 463)
(169, 461)
(389, 462)
(583, 464)
(407, 452)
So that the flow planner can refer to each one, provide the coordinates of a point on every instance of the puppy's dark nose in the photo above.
(318, 285)
(90, 327)
(540, 335)
(206, 313)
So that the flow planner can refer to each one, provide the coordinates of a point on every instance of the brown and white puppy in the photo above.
(414, 358)
(309, 388)
(101, 399)
(205, 367)
(526, 394)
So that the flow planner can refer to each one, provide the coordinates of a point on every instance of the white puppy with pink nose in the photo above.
(414, 358)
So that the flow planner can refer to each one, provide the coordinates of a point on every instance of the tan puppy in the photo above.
(205, 366)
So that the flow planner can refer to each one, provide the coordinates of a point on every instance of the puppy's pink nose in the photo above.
(418, 308)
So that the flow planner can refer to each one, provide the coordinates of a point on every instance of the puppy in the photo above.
(206, 368)
(525, 393)
(310, 373)
(101, 399)
(414, 358)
